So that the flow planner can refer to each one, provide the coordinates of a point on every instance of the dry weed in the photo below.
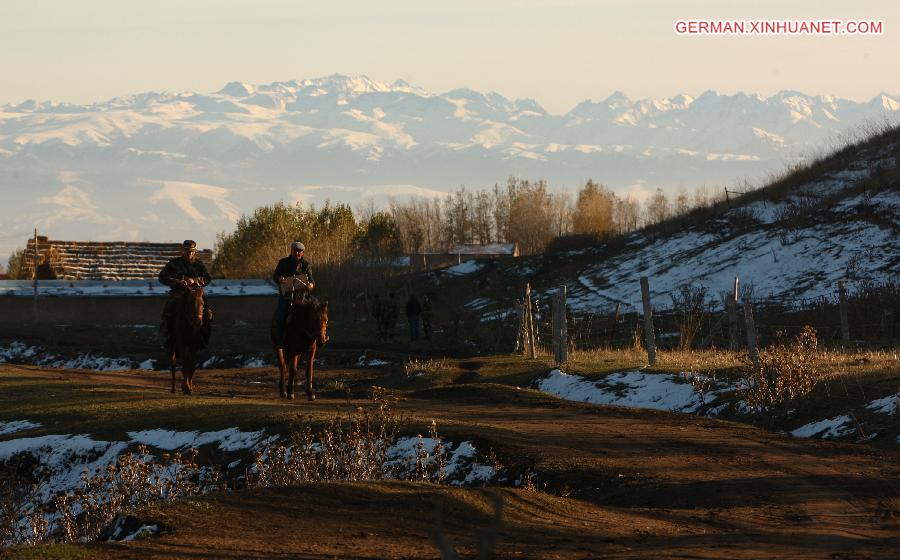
(355, 449)
(81, 515)
(785, 371)
(416, 366)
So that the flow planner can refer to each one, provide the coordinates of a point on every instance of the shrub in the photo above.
(784, 372)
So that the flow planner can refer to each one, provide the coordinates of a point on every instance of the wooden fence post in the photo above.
(732, 316)
(560, 328)
(529, 324)
(648, 321)
(752, 351)
(520, 322)
(845, 323)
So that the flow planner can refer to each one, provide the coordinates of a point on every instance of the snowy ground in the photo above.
(60, 459)
(631, 388)
(74, 288)
(675, 393)
(21, 353)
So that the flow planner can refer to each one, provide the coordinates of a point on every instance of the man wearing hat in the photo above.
(289, 268)
(178, 274)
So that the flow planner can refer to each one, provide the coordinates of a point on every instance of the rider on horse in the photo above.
(180, 274)
(292, 274)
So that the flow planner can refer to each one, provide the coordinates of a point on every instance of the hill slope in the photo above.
(791, 241)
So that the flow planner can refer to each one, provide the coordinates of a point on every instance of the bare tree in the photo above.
(657, 207)
(529, 217)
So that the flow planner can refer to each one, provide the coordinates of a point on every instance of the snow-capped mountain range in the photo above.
(165, 166)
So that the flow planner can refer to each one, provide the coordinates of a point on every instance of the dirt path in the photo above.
(612, 482)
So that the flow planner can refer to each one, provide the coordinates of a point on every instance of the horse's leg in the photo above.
(189, 369)
(172, 357)
(279, 355)
(292, 368)
(311, 356)
(186, 360)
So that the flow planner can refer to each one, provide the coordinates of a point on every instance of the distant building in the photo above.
(462, 253)
(105, 260)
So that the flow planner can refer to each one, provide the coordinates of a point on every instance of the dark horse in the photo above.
(188, 335)
(305, 332)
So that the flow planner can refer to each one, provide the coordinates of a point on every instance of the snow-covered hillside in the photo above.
(166, 166)
(791, 241)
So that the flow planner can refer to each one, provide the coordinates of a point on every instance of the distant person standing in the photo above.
(413, 312)
(426, 317)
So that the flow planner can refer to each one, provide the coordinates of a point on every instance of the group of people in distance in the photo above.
(186, 271)
(386, 311)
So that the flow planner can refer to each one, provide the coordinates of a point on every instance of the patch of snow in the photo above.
(209, 362)
(461, 467)
(886, 405)
(17, 351)
(463, 268)
(142, 532)
(478, 303)
(826, 429)
(147, 364)
(630, 388)
(62, 458)
(231, 439)
(132, 288)
(363, 361)
(21, 353)
(16, 426)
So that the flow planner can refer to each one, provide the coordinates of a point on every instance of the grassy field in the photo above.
(601, 481)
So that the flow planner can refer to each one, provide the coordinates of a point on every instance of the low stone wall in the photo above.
(112, 310)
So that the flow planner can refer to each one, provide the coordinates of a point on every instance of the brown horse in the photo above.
(305, 332)
(188, 335)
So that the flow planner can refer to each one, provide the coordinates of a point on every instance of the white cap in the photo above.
(297, 245)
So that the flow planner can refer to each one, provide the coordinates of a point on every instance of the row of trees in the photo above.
(521, 211)
(529, 214)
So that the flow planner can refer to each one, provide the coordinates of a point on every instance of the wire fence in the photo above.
(872, 314)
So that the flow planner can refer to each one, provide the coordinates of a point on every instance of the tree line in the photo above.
(521, 211)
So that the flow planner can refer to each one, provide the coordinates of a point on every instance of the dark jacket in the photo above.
(180, 268)
(413, 307)
(288, 266)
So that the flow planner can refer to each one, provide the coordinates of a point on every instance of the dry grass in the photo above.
(832, 362)
(416, 366)
(352, 450)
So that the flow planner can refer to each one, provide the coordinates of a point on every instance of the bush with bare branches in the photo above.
(785, 372)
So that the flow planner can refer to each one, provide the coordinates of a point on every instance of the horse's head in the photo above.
(321, 318)
(192, 304)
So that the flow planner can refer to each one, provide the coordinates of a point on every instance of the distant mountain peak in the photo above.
(617, 100)
(237, 89)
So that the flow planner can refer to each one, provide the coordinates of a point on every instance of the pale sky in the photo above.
(558, 52)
